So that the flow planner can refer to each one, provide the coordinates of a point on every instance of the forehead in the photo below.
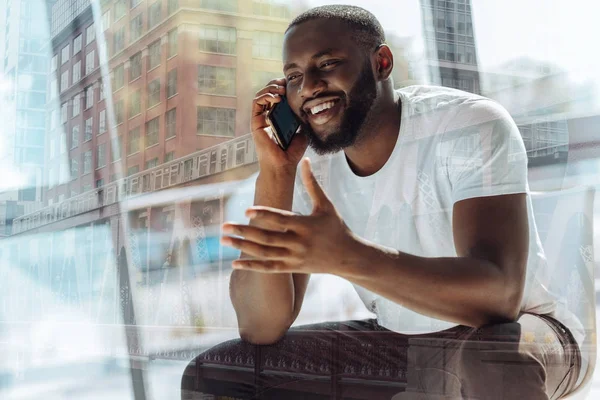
(312, 37)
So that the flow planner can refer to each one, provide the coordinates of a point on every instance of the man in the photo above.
(424, 207)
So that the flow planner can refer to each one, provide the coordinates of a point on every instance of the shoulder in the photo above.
(436, 100)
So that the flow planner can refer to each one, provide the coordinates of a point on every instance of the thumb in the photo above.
(316, 193)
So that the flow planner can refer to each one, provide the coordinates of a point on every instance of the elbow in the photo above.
(264, 336)
(505, 310)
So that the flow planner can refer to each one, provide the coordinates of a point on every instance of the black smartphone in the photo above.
(283, 122)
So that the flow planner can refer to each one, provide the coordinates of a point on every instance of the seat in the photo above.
(564, 219)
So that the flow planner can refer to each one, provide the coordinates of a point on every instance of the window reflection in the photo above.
(128, 139)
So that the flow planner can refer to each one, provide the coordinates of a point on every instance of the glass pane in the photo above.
(112, 199)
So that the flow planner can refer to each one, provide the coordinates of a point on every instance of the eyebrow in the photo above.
(322, 53)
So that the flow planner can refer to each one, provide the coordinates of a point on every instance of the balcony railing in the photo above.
(224, 156)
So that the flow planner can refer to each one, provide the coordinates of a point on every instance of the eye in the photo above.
(330, 63)
(292, 77)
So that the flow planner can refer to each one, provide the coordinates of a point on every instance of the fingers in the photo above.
(262, 236)
(276, 87)
(255, 249)
(276, 219)
(265, 266)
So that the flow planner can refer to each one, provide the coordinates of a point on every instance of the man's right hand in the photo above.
(270, 155)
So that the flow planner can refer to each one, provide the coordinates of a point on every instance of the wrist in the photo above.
(278, 173)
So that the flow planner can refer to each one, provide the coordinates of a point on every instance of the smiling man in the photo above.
(423, 206)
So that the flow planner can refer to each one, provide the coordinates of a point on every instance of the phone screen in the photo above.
(284, 121)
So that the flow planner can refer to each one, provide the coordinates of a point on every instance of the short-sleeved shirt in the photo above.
(452, 146)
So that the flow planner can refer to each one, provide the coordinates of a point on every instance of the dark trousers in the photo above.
(533, 358)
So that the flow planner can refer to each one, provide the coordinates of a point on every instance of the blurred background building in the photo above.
(23, 65)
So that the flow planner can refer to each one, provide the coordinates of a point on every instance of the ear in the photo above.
(385, 61)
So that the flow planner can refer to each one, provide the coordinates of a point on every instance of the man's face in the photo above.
(330, 83)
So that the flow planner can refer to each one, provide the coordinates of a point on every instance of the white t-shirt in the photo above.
(452, 146)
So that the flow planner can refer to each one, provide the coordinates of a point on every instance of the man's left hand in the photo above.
(282, 241)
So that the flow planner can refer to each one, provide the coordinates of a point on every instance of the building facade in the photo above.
(182, 77)
(23, 67)
(450, 44)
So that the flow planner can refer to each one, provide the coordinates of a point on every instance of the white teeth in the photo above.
(323, 106)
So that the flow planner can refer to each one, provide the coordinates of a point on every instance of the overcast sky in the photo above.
(563, 32)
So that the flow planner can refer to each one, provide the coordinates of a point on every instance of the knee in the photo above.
(209, 369)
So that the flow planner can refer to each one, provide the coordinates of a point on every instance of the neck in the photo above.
(378, 138)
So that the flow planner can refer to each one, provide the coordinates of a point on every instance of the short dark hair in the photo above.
(365, 27)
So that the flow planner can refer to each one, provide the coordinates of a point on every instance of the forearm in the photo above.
(265, 301)
(465, 290)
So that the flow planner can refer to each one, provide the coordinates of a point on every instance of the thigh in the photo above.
(304, 359)
(523, 359)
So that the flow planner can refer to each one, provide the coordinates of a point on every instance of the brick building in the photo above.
(182, 77)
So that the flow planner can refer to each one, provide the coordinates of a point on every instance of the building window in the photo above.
(261, 78)
(74, 169)
(172, 43)
(54, 63)
(77, 44)
(119, 40)
(170, 156)
(90, 34)
(134, 3)
(89, 125)
(267, 45)
(119, 111)
(64, 55)
(76, 72)
(135, 103)
(271, 8)
(154, 55)
(101, 155)
(115, 150)
(135, 28)
(153, 93)
(216, 121)
(152, 163)
(216, 80)
(64, 81)
(219, 5)
(118, 77)
(90, 62)
(135, 67)
(63, 113)
(172, 6)
(133, 145)
(75, 136)
(172, 83)
(218, 39)
(152, 132)
(154, 14)
(133, 170)
(76, 105)
(89, 97)
(99, 183)
(105, 20)
(171, 123)
(120, 9)
(102, 122)
(87, 162)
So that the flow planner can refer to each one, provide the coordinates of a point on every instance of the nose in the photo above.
(312, 84)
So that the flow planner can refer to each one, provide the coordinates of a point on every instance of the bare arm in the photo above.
(483, 284)
(267, 305)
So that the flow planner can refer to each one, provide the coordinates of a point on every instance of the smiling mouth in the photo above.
(324, 112)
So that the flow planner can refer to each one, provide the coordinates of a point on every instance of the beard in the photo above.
(360, 101)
